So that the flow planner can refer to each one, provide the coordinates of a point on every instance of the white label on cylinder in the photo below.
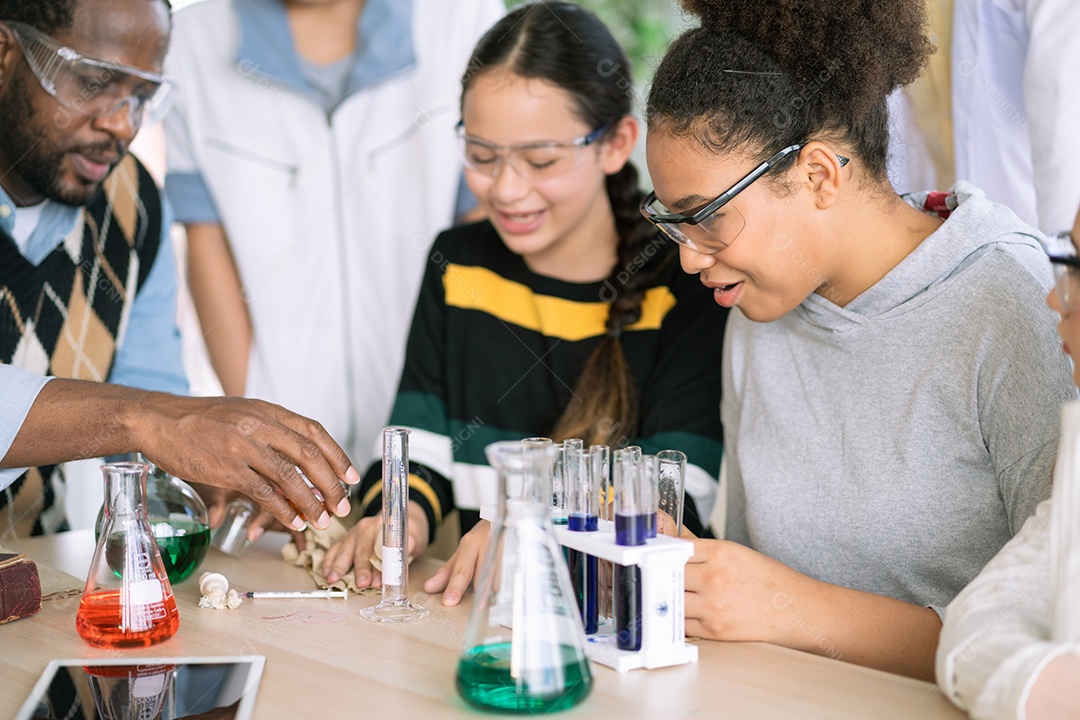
(393, 566)
(145, 592)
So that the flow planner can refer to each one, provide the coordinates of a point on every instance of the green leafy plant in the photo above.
(643, 27)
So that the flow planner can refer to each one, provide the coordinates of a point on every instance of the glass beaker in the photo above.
(525, 642)
(178, 519)
(127, 601)
(231, 536)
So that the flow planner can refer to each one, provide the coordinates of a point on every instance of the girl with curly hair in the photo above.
(890, 377)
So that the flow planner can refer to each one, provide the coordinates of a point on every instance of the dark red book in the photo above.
(20, 587)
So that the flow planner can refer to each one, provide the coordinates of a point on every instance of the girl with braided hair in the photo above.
(565, 313)
(891, 378)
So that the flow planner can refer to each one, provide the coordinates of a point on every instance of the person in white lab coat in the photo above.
(312, 160)
(1010, 89)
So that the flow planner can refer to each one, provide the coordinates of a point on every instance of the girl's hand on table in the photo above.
(453, 578)
(357, 547)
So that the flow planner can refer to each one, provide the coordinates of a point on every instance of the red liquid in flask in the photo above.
(105, 620)
(128, 601)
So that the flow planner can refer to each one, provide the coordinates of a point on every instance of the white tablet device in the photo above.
(203, 688)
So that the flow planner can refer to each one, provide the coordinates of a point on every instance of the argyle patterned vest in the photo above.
(67, 316)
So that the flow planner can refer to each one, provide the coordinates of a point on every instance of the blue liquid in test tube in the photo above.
(583, 517)
(626, 580)
(631, 528)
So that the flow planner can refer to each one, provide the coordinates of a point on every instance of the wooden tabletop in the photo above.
(324, 660)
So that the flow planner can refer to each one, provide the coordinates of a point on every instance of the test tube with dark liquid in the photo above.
(631, 528)
(583, 517)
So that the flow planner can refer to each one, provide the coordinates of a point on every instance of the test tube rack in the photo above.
(662, 561)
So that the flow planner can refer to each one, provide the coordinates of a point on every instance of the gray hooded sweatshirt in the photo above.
(895, 444)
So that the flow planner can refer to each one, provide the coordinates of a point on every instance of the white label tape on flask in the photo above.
(145, 592)
(393, 566)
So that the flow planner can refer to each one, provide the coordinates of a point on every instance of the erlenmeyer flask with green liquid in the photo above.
(525, 641)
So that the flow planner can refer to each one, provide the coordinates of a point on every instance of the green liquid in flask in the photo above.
(181, 543)
(184, 550)
(485, 681)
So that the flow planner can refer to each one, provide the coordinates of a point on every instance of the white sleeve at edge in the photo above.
(995, 638)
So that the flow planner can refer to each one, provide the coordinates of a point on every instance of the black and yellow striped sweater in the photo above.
(495, 351)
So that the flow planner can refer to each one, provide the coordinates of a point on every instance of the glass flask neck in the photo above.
(524, 475)
(125, 490)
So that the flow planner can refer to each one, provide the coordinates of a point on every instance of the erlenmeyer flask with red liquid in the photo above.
(128, 601)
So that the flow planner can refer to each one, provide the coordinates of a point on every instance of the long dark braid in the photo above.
(570, 47)
(607, 410)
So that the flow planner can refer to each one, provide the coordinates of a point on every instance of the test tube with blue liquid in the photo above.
(583, 517)
(631, 528)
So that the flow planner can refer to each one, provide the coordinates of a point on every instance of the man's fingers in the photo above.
(320, 443)
(263, 492)
(307, 456)
(281, 477)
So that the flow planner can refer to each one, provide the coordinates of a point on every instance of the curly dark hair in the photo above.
(757, 77)
(47, 16)
(571, 48)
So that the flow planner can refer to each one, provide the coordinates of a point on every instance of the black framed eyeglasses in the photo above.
(706, 230)
(533, 161)
(1061, 249)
